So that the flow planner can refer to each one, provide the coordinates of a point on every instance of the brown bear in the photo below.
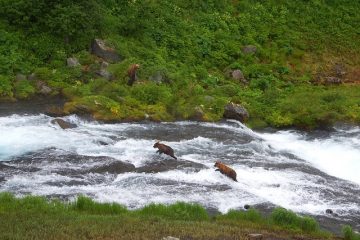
(225, 170)
(132, 73)
(164, 149)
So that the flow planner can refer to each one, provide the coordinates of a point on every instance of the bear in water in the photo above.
(162, 148)
(225, 170)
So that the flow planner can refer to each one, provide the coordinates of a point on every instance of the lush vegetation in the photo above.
(193, 46)
(37, 218)
(349, 234)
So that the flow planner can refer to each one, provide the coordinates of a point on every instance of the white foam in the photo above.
(337, 156)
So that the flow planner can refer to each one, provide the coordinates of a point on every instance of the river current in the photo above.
(305, 172)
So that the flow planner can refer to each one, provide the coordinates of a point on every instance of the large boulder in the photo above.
(99, 48)
(236, 111)
(115, 167)
(238, 75)
(63, 124)
(105, 74)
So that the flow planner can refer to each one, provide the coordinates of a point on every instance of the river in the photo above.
(305, 172)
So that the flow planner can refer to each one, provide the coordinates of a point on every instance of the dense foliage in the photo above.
(193, 46)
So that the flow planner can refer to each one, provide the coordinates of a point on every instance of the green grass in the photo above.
(34, 217)
(349, 233)
(194, 46)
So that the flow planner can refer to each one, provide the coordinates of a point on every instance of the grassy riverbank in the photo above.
(36, 218)
(187, 52)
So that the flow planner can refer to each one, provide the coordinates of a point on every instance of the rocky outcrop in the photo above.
(55, 111)
(169, 164)
(249, 49)
(63, 124)
(99, 48)
(236, 111)
(72, 62)
(116, 167)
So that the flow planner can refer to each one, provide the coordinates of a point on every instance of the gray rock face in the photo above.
(236, 111)
(238, 75)
(116, 167)
(72, 62)
(99, 48)
(63, 124)
(249, 49)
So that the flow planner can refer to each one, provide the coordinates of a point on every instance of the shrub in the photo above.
(5, 86)
(23, 89)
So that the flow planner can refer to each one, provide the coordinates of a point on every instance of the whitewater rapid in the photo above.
(304, 172)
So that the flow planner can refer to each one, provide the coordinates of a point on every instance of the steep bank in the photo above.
(289, 63)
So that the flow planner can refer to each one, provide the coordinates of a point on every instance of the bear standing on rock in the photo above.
(164, 149)
(225, 170)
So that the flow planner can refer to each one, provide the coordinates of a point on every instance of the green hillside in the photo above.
(300, 59)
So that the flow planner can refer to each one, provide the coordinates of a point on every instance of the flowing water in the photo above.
(305, 172)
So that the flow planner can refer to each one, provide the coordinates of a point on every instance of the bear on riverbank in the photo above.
(162, 148)
(132, 73)
(229, 172)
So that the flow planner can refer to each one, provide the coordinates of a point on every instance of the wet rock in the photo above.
(99, 48)
(333, 80)
(63, 124)
(238, 75)
(255, 236)
(236, 111)
(54, 111)
(329, 211)
(249, 49)
(20, 77)
(246, 206)
(72, 62)
(116, 167)
(169, 164)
